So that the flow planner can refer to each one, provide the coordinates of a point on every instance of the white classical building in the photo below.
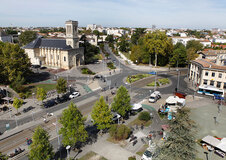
(206, 72)
(57, 53)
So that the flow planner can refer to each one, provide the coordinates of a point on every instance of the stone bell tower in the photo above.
(72, 33)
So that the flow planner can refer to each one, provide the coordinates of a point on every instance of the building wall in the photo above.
(207, 76)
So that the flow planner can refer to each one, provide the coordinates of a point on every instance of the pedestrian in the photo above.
(137, 126)
(215, 120)
(142, 126)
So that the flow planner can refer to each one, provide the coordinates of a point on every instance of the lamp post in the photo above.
(33, 115)
(58, 137)
(33, 95)
(8, 101)
(206, 153)
(155, 79)
(67, 148)
(16, 121)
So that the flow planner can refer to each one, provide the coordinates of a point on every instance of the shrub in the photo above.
(164, 81)
(132, 158)
(152, 84)
(87, 71)
(144, 116)
(119, 132)
(111, 65)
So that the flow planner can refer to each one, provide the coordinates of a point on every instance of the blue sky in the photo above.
(198, 14)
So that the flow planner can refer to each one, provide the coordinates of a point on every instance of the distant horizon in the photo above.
(192, 14)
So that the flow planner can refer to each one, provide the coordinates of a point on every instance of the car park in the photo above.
(154, 96)
(74, 95)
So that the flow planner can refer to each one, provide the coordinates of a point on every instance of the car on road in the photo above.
(49, 103)
(154, 96)
(98, 76)
(152, 72)
(147, 155)
(74, 95)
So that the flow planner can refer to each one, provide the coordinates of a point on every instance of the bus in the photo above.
(211, 91)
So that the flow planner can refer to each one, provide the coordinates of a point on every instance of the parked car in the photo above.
(98, 76)
(147, 155)
(136, 108)
(74, 95)
(154, 96)
(27, 109)
(62, 99)
(49, 103)
(180, 94)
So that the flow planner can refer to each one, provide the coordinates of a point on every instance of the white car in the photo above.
(147, 155)
(74, 95)
(154, 97)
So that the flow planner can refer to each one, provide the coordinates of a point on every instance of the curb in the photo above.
(11, 135)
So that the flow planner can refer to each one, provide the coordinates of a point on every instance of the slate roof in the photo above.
(2, 33)
(49, 43)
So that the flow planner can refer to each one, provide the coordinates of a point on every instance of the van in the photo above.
(154, 96)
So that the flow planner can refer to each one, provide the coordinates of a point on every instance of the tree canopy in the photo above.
(179, 56)
(73, 128)
(101, 114)
(137, 35)
(41, 94)
(155, 44)
(110, 38)
(121, 103)
(13, 63)
(196, 45)
(123, 44)
(61, 86)
(41, 147)
(180, 144)
(27, 37)
(17, 103)
(3, 157)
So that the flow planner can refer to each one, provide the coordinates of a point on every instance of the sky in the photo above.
(193, 14)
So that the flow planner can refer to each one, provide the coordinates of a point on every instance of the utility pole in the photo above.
(155, 78)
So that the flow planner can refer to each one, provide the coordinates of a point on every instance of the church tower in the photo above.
(72, 33)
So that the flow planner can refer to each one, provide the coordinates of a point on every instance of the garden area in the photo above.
(111, 65)
(87, 71)
(159, 82)
(143, 118)
(134, 78)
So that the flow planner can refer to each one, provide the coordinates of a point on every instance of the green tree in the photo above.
(41, 94)
(13, 63)
(123, 44)
(109, 38)
(194, 44)
(158, 43)
(101, 114)
(180, 144)
(191, 54)
(27, 37)
(3, 157)
(73, 128)
(41, 147)
(137, 35)
(17, 103)
(61, 86)
(121, 103)
(179, 56)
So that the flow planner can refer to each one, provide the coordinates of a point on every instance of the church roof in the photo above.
(48, 43)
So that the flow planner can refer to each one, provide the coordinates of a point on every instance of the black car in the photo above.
(28, 109)
(49, 103)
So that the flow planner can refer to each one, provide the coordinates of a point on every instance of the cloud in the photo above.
(137, 13)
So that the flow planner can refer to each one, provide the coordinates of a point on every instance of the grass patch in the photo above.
(137, 77)
(92, 155)
(122, 143)
(164, 81)
(142, 150)
(139, 122)
(111, 65)
(152, 84)
(87, 71)
(46, 87)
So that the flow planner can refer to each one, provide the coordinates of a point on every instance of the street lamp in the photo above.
(33, 95)
(67, 148)
(58, 137)
(33, 115)
(155, 79)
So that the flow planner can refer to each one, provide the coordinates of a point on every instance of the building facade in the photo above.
(205, 72)
(57, 53)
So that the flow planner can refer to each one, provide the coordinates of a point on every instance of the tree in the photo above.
(101, 114)
(13, 63)
(61, 86)
(17, 103)
(158, 44)
(3, 157)
(41, 147)
(121, 103)
(73, 128)
(109, 38)
(41, 94)
(191, 54)
(179, 56)
(194, 44)
(180, 144)
(27, 37)
(123, 44)
(137, 34)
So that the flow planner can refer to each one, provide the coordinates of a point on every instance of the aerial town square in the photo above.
(112, 80)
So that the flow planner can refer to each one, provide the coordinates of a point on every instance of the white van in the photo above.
(154, 96)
